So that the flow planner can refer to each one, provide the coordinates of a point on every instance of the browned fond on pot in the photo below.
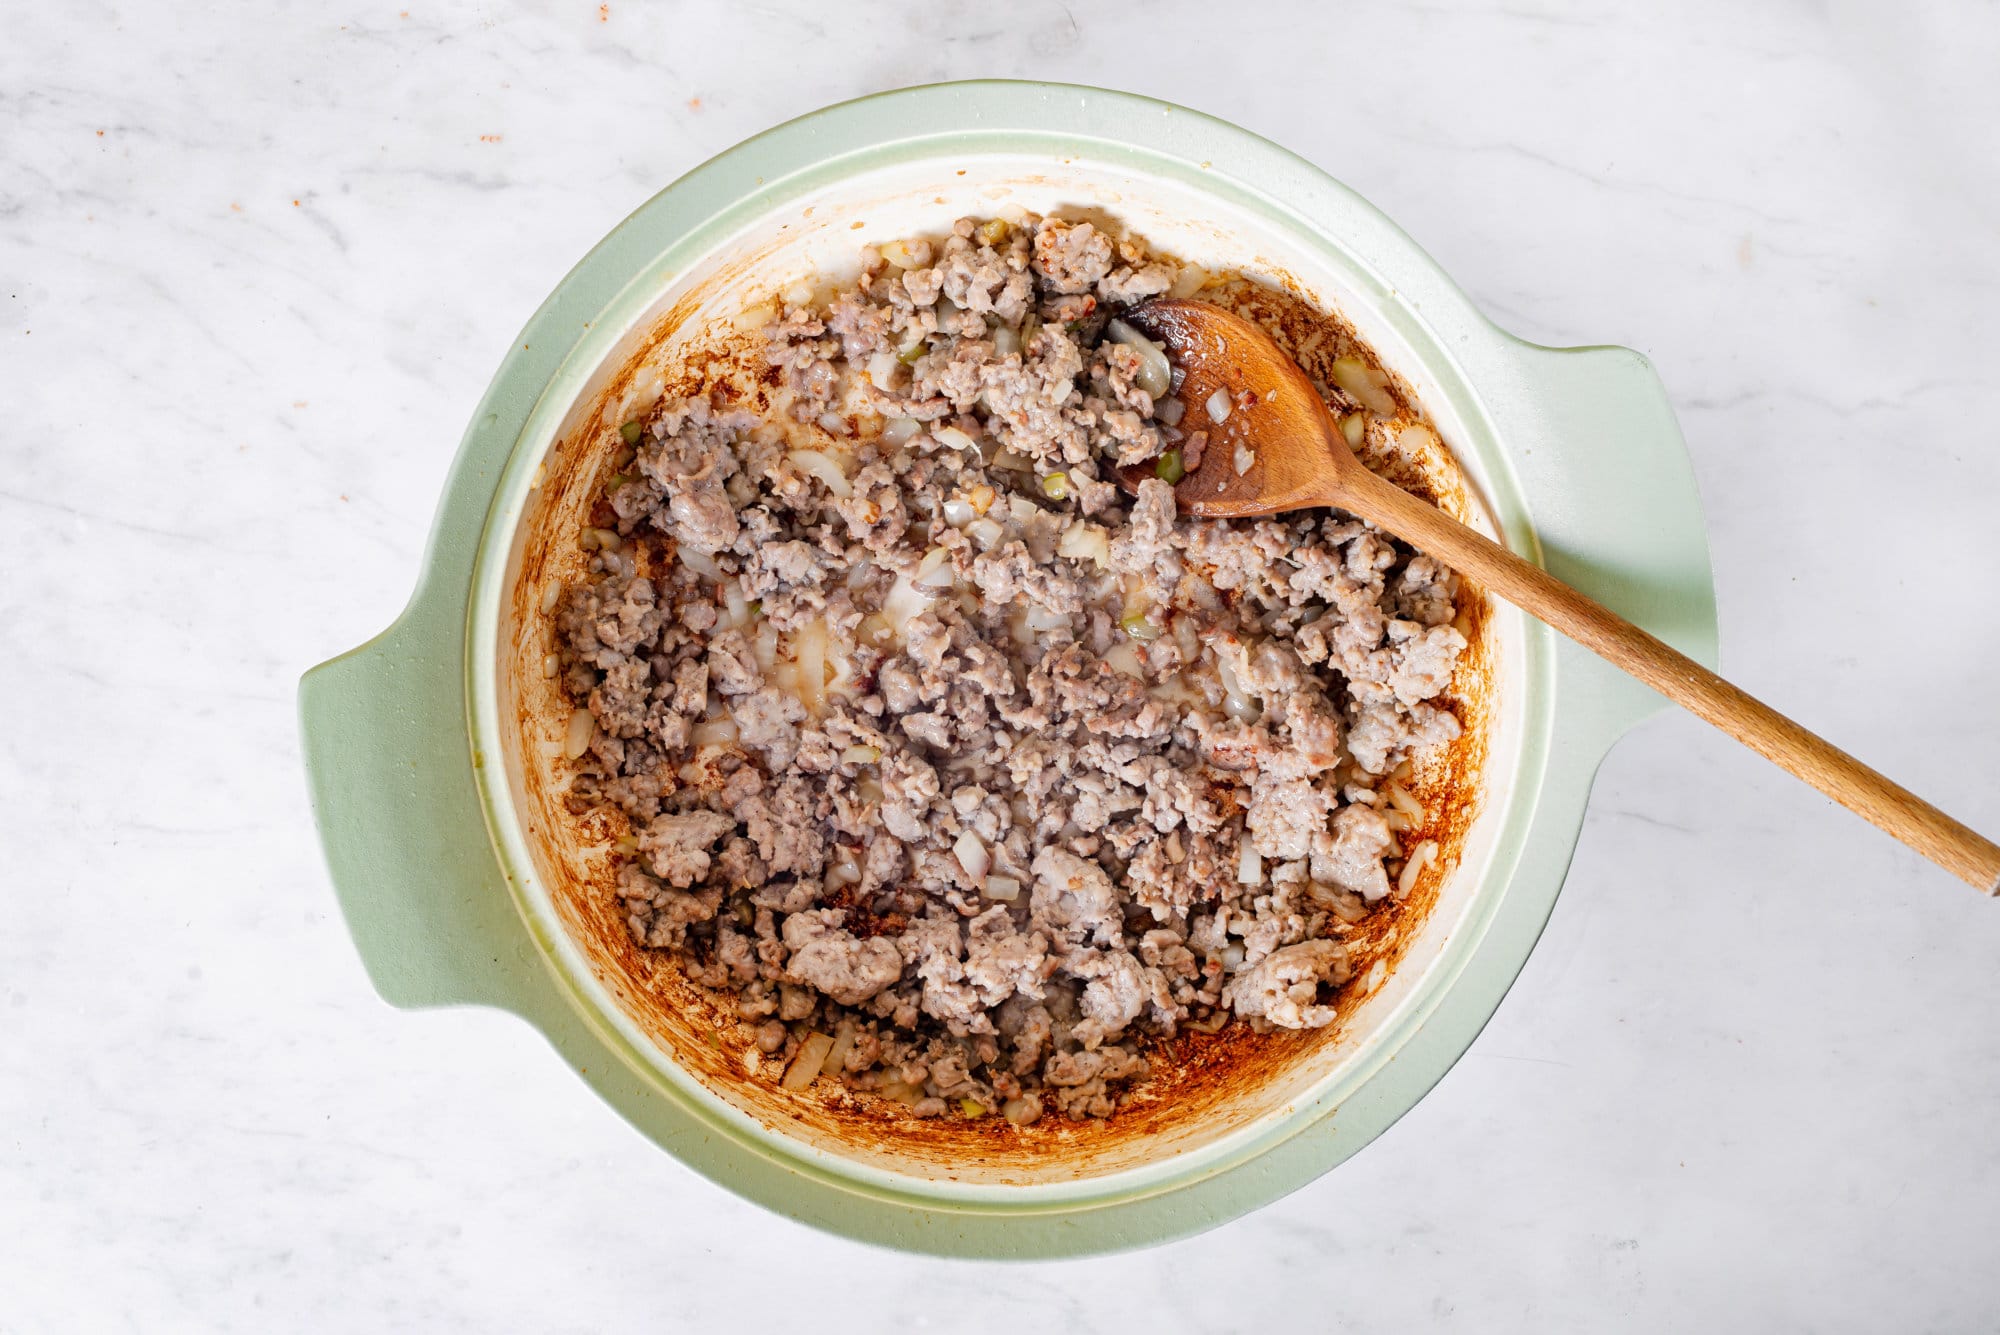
(1197, 1080)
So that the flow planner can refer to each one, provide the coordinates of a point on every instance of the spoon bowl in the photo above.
(1270, 443)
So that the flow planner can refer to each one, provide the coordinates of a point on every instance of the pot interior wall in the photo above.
(1206, 1088)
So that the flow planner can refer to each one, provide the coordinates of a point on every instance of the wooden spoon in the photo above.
(1278, 448)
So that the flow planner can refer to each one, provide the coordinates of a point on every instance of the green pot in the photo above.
(422, 781)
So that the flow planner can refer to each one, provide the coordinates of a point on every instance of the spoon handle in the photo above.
(1973, 858)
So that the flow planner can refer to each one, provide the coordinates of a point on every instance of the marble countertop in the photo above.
(259, 263)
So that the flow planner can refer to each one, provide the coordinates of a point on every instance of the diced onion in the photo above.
(1424, 854)
(843, 1043)
(734, 604)
(953, 438)
(982, 497)
(973, 856)
(1400, 798)
(902, 254)
(861, 755)
(1008, 461)
(700, 562)
(806, 1066)
(1003, 888)
(577, 739)
(551, 665)
(1416, 439)
(833, 424)
(1249, 863)
(986, 532)
(1155, 373)
(901, 429)
(824, 467)
(874, 630)
(1233, 956)
(1245, 456)
(1081, 540)
(809, 647)
(882, 370)
(1237, 703)
(1020, 1111)
(646, 390)
(958, 512)
(798, 294)
(1344, 906)
(1170, 412)
(903, 602)
(1354, 429)
(713, 732)
(1192, 280)
(935, 570)
(1006, 341)
(698, 768)
(551, 596)
(1041, 618)
(1134, 623)
(1218, 406)
(1124, 657)
(1366, 384)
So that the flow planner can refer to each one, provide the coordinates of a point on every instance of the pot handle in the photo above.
(1592, 439)
(390, 774)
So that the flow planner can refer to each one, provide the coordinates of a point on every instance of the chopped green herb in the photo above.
(972, 1107)
(630, 431)
(1170, 469)
(617, 480)
(756, 607)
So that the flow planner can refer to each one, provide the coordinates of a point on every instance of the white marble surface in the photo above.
(259, 261)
